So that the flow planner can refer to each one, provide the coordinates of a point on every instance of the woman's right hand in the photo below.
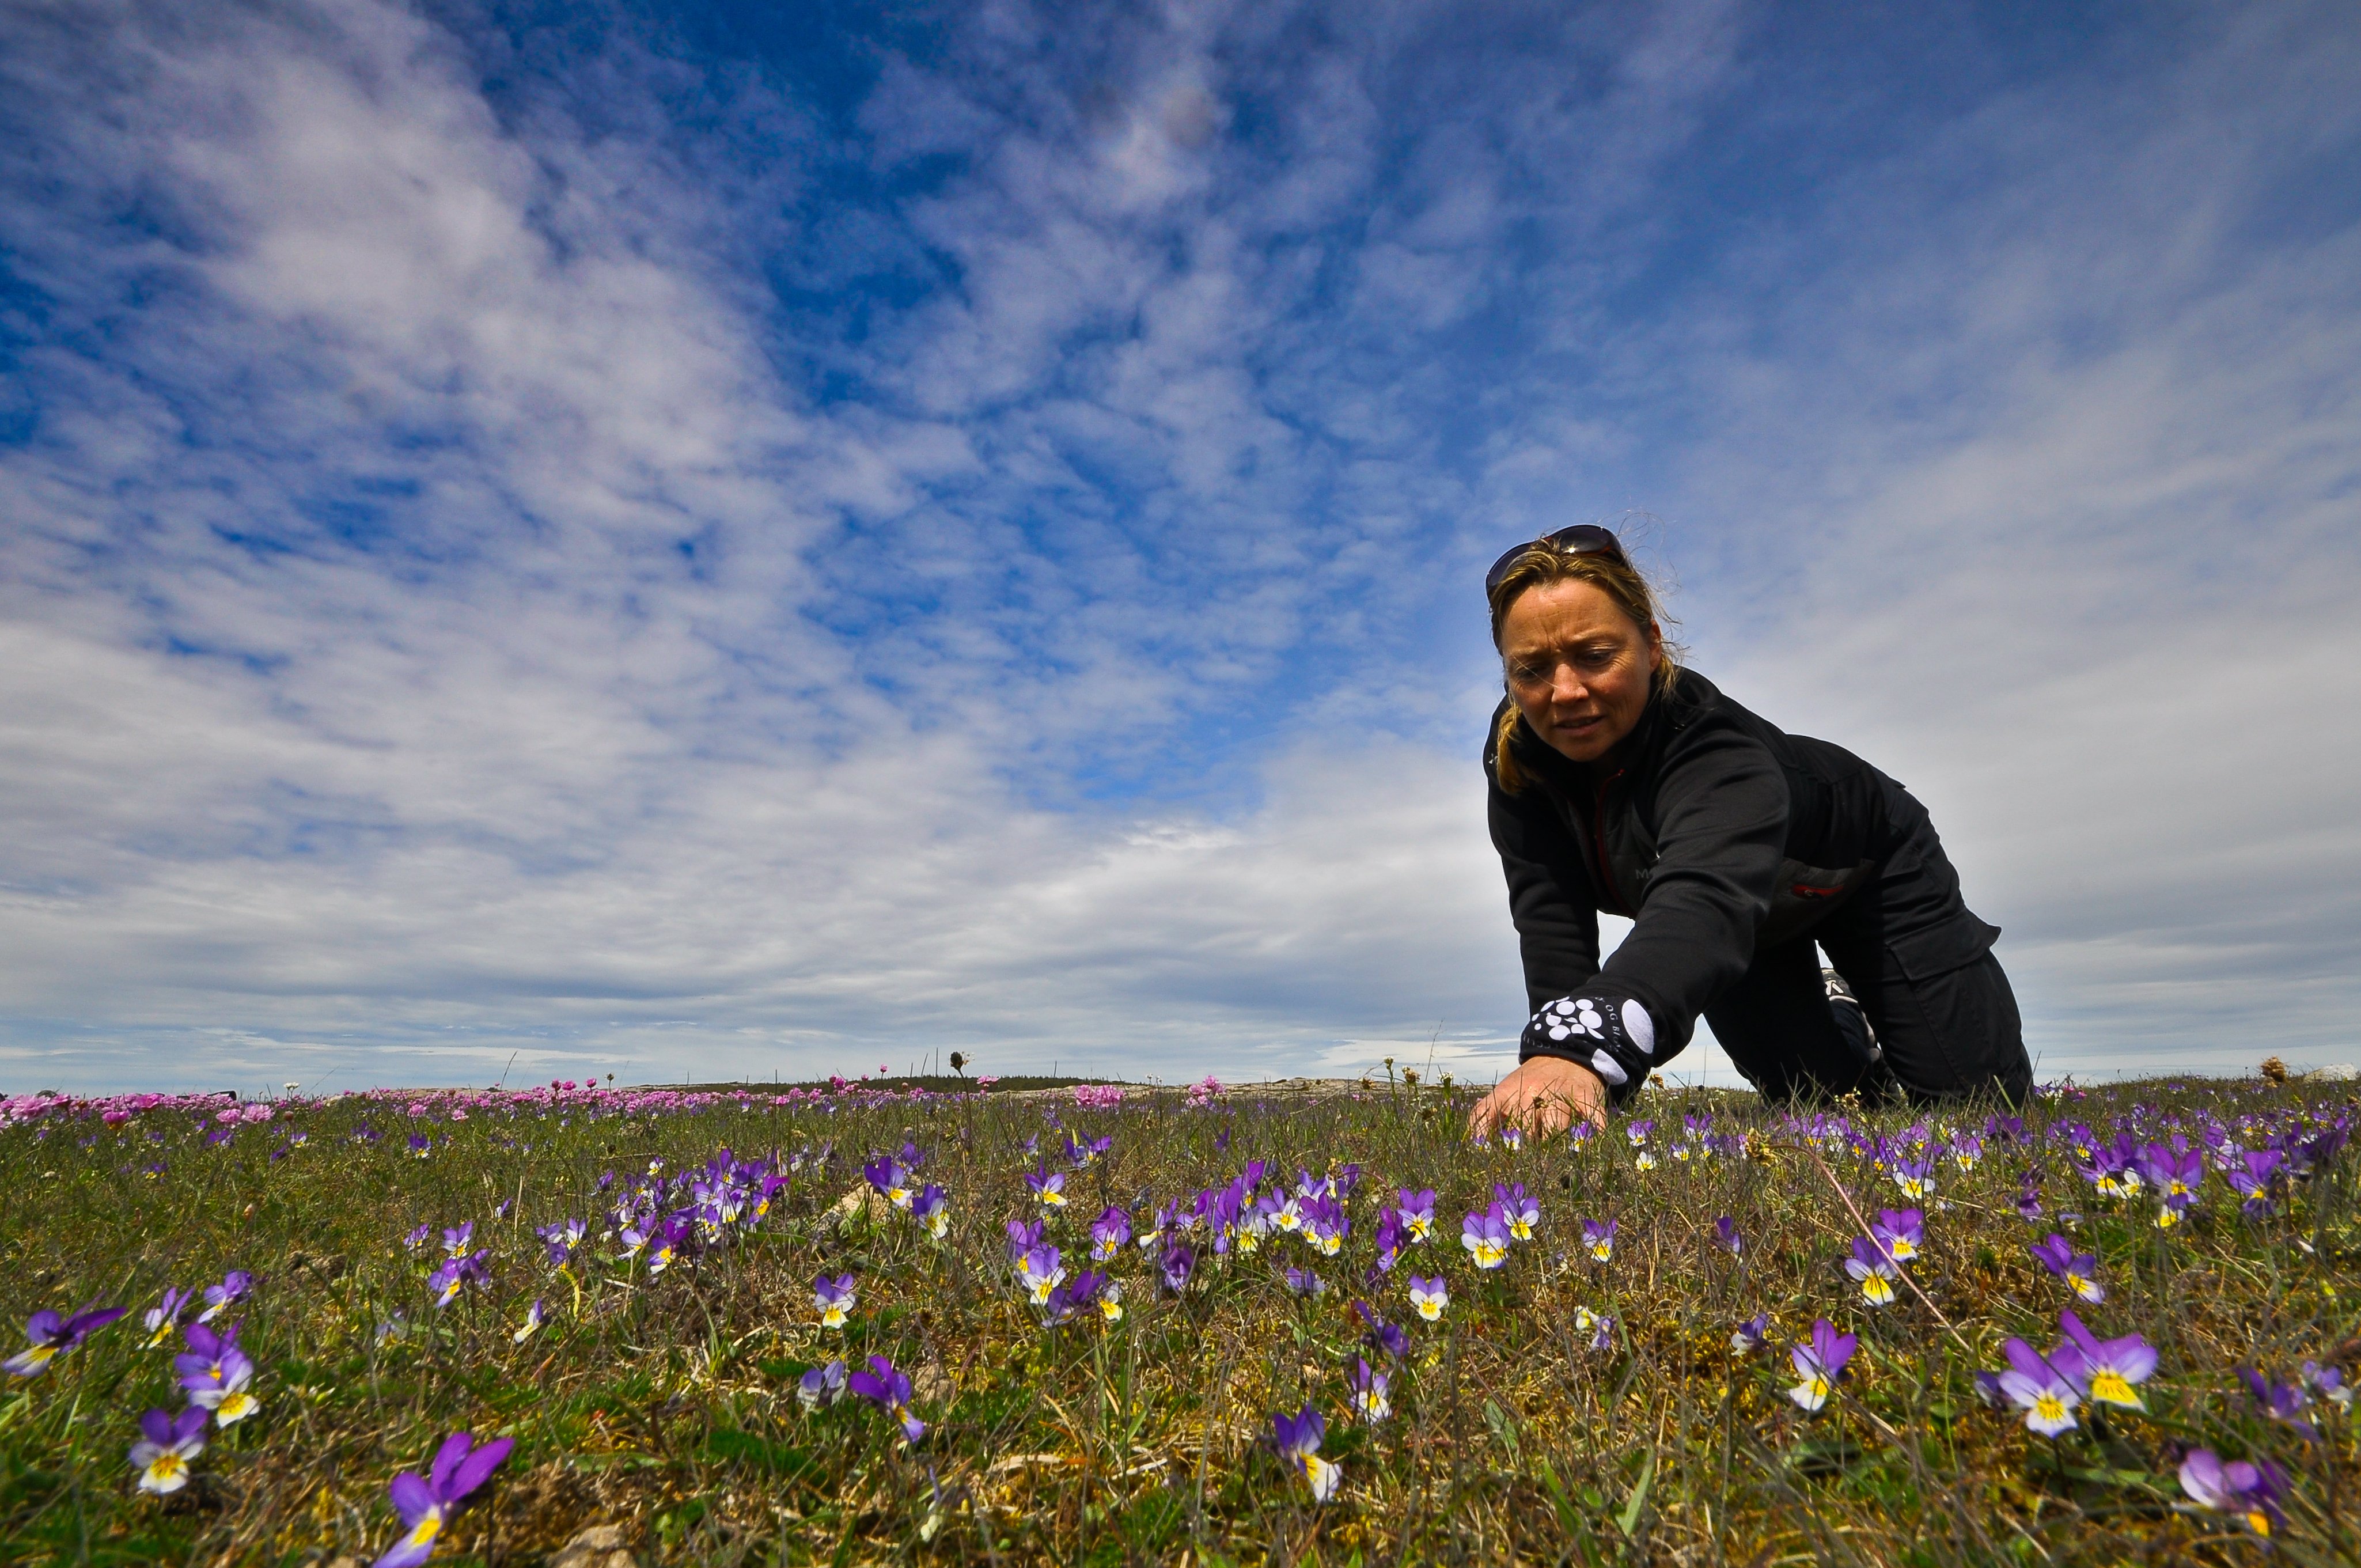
(1544, 1095)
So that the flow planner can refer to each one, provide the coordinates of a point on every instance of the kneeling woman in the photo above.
(1622, 781)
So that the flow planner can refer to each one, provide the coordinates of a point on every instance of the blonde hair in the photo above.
(1544, 563)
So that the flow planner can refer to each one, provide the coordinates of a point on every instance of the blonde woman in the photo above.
(1624, 783)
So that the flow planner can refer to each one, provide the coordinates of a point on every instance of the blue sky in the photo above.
(707, 542)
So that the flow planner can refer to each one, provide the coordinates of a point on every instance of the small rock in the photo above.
(600, 1546)
(931, 1384)
(2335, 1073)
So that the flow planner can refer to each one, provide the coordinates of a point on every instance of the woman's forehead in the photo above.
(1561, 612)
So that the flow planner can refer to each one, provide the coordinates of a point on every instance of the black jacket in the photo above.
(1717, 833)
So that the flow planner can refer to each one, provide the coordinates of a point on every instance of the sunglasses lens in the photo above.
(1581, 539)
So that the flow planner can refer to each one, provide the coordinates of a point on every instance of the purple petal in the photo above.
(447, 1459)
(187, 1424)
(156, 1425)
(476, 1467)
(411, 1498)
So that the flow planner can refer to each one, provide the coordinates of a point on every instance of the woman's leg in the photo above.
(1921, 965)
(1778, 1029)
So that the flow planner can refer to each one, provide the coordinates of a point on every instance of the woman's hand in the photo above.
(1542, 1096)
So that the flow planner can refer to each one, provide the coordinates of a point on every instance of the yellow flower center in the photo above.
(2111, 1387)
(2049, 1407)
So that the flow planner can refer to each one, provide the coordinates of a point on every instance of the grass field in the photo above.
(1563, 1405)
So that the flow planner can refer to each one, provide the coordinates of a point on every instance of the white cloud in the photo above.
(453, 607)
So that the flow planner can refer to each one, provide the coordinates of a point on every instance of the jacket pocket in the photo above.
(1954, 944)
(1805, 895)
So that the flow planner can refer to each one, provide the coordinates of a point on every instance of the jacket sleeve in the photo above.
(1721, 812)
(1556, 920)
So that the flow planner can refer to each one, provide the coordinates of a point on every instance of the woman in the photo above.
(1622, 781)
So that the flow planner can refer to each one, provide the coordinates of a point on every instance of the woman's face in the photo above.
(1578, 668)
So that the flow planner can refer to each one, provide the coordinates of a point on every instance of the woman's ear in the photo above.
(1655, 647)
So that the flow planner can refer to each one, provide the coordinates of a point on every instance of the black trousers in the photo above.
(1921, 966)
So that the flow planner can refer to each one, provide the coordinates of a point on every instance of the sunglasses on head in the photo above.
(1582, 539)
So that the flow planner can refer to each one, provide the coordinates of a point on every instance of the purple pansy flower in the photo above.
(1110, 1233)
(1820, 1363)
(2048, 1396)
(890, 1391)
(820, 1386)
(216, 1375)
(221, 1298)
(163, 1322)
(54, 1336)
(833, 1299)
(166, 1445)
(2104, 1369)
(1726, 1233)
(1485, 1234)
(1297, 1438)
(427, 1505)
(1599, 1239)
(2250, 1491)
(2080, 1270)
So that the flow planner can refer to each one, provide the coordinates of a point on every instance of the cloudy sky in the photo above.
(720, 540)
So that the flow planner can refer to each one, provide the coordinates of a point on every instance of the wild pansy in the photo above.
(1326, 1224)
(163, 1322)
(1819, 1364)
(1304, 1282)
(418, 1238)
(1752, 1334)
(2282, 1402)
(820, 1386)
(1485, 1234)
(1598, 1325)
(1638, 1132)
(932, 1209)
(1175, 1266)
(2250, 1491)
(1023, 1238)
(454, 1274)
(1900, 1231)
(1369, 1386)
(455, 1239)
(216, 1375)
(1038, 1271)
(1048, 1187)
(1389, 1242)
(2047, 1396)
(532, 1321)
(166, 1445)
(1387, 1337)
(2328, 1382)
(834, 1298)
(54, 1336)
(2104, 1369)
(890, 1391)
(1873, 1270)
(1916, 1177)
(1519, 1207)
(2029, 1199)
(1110, 1233)
(419, 1150)
(2080, 1270)
(427, 1504)
(1726, 1236)
(1417, 1212)
(1297, 1438)
(2174, 1172)
(221, 1298)
(890, 1179)
(561, 1238)
(1429, 1296)
(1599, 1239)
(2256, 1179)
